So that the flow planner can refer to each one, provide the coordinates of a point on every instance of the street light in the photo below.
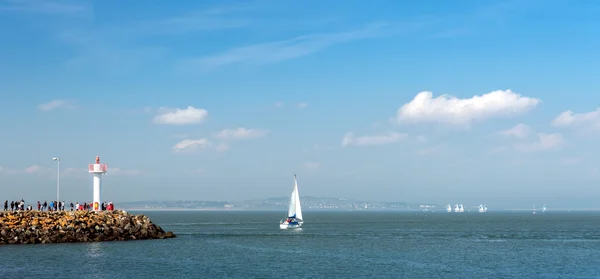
(57, 182)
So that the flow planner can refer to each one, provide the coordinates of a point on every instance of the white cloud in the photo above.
(519, 131)
(544, 142)
(119, 171)
(4, 170)
(428, 151)
(190, 115)
(240, 134)
(595, 172)
(571, 161)
(588, 120)
(454, 111)
(191, 145)
(75, 171)
(53, 105)
(187, 145)
(33, 169)
(391, 137)
(278, 104)
(318, 147)
(222, 147)
(312, 165)
(302, 105)
(421, 139)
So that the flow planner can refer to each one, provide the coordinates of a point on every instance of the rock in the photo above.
(31, 227)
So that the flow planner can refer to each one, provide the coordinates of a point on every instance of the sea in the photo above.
(353, 244)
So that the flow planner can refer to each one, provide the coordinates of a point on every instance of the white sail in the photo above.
(448, 208)
(295, 207)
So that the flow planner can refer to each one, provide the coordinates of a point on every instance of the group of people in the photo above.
(55, 206)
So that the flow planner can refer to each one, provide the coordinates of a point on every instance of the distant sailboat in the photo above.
(456, 208)
(461, 208)
(534, 209)
(482, 208)
(485, 208)
(294, 216)
(448, 208)
(544, 208)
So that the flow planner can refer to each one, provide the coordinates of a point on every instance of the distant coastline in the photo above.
(342, 210)
(311, 204)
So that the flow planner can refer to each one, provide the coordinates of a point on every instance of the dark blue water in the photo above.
(332, 245)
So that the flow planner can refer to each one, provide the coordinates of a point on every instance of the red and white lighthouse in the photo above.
(97, 170)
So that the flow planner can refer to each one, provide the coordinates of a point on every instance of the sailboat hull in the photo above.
(290, 226)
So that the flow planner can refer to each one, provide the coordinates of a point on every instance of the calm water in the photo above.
(332, 245)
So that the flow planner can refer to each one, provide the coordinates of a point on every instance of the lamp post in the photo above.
(57, 182)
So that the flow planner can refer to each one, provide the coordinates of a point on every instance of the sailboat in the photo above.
(448, 208)
(534, 209)
(294, 216)
(544, 208)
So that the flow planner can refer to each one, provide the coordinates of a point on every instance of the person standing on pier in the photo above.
(6, 205)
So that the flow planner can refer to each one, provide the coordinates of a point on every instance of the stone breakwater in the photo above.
(31, 227)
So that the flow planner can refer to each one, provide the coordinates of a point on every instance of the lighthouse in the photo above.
(97, 170)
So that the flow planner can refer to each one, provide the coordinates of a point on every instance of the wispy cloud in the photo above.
(486, 16)
(429, 151)
(350, 139)
(518, 131)
(31, 170)
(123, 48)
(45, 7)
(218, 18)
(278, 51)
(54, 105)
(312, 165)
(105, 50)
(543, 142)
(240, 134)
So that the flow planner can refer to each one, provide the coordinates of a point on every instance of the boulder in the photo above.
(32, 227)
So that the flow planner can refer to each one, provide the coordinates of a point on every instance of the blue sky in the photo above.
(428, 101)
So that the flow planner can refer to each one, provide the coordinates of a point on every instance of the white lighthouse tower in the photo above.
(97, 170)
